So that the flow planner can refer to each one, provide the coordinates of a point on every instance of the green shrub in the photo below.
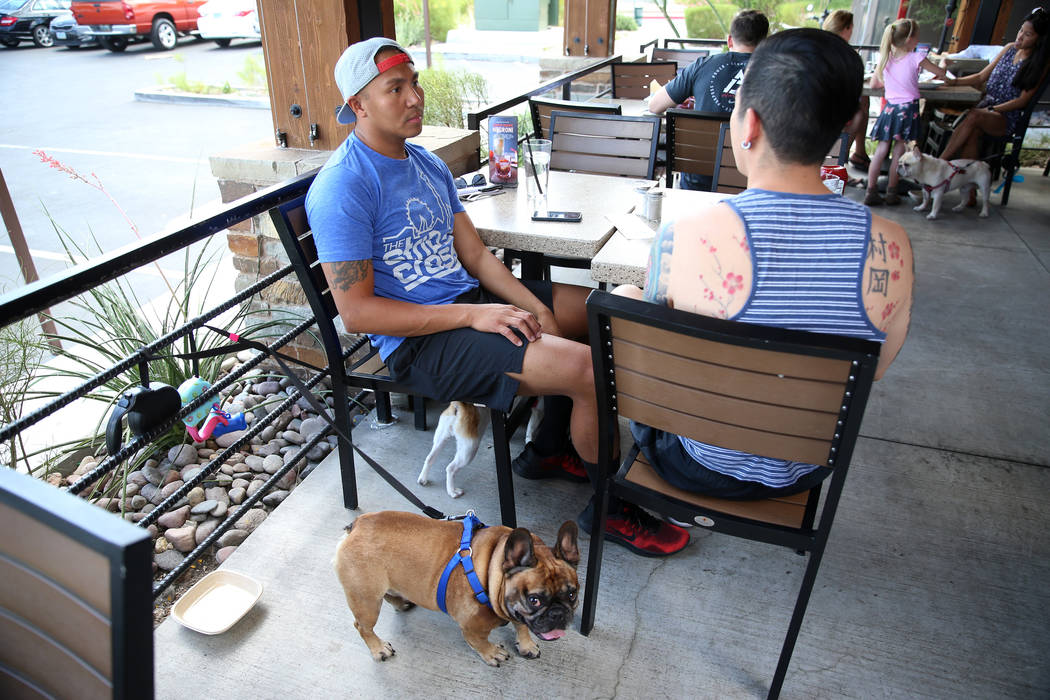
(447, 92)
(701, 22)
(444, 15)
(806, 13)
(625, 23)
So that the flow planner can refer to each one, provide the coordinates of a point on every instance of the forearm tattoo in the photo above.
(344, 275)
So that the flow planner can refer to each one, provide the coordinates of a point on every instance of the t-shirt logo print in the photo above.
(422, 249)
(724, 93)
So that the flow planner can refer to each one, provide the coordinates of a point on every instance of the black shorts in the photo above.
(465, 364)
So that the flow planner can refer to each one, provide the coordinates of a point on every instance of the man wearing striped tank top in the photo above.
(783, 253)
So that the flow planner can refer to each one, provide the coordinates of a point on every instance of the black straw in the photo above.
(528, 144)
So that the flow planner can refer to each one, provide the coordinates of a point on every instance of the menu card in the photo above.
(503, 151)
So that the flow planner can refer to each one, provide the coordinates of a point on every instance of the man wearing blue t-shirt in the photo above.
(713, 81)
(407, 267)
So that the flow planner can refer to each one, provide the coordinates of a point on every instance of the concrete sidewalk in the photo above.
(933, 584)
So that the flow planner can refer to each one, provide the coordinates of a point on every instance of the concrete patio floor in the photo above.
(933, 583)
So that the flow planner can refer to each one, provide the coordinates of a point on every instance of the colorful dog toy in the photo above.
(216, 421)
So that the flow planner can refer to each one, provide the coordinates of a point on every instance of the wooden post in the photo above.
(590, 27)
(426, 28)
(301, 43)
(24, 257)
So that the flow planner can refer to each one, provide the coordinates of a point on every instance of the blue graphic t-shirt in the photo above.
(398, 213)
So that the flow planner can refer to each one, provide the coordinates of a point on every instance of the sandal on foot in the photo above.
(858, 162)
(872, 198)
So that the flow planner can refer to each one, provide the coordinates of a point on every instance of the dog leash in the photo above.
(238, 343)
(466, 561)
(948, 180)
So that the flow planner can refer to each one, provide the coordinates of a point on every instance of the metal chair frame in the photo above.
(798, 394)
(541, 108)
(364, 371)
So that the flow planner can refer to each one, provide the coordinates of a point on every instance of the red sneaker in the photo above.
(561, 465)
(634, 528)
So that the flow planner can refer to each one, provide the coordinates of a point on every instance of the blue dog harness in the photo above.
(463, 558)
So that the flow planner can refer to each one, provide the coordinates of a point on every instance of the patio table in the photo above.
(504, 221)
(623, 258)
(953, 95)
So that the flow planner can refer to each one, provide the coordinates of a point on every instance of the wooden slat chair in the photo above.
(541, 108)
(787, 394)
(631, 80)
(727, 177)
(604, 144)
(76, 605)
(681, 57)
(368, 372)
(692, 141)
(839, 151)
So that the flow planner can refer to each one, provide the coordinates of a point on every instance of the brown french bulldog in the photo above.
(400, 557)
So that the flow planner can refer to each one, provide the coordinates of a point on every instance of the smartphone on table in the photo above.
(570, 216)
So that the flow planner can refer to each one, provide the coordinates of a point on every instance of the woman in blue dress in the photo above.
(1010, 81)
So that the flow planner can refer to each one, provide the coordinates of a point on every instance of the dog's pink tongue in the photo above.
(553, 634)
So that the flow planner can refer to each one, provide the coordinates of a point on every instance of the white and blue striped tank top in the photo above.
(808, 254)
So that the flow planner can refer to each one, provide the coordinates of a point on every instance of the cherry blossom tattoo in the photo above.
(725, 293)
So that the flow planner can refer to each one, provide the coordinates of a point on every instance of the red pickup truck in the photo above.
(115, 23)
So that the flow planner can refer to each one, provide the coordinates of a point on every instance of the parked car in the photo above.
(225, 20)
(66, 32)
(115, 23)
(28, 20)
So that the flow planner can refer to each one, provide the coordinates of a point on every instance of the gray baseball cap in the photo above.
(356, 68)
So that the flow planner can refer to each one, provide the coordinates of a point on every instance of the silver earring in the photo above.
(746, 145)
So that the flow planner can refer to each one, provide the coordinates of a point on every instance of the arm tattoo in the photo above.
(657, 276)
(344, 275)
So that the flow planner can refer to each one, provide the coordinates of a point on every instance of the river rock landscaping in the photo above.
(185, 526)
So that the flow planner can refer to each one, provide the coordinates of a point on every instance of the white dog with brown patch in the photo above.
(465, 422)
(939, 176)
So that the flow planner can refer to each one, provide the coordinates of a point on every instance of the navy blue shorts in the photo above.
(465, 364)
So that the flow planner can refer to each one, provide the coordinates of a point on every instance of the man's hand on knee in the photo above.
(504, 319)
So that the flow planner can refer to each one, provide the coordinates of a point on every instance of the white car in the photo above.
(225, 20)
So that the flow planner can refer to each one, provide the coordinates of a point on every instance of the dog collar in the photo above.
(463, 558)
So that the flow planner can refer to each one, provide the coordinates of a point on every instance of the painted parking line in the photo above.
(114, 154)
(62, 257)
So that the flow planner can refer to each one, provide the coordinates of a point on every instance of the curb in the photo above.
(165, 96)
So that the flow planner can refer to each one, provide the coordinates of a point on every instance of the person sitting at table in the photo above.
(785, 252)
(1010, 81)
(406, 266)
(713, 81)
(841, 22)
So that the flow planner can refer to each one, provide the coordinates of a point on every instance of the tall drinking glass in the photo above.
(537, 158)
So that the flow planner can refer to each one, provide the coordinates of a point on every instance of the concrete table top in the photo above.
(623, 259)
(504, 221)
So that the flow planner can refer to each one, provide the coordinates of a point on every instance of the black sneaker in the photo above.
(560, 465)
(634, 528)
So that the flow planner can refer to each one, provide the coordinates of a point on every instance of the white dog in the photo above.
(939, 176)
(466, 422)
